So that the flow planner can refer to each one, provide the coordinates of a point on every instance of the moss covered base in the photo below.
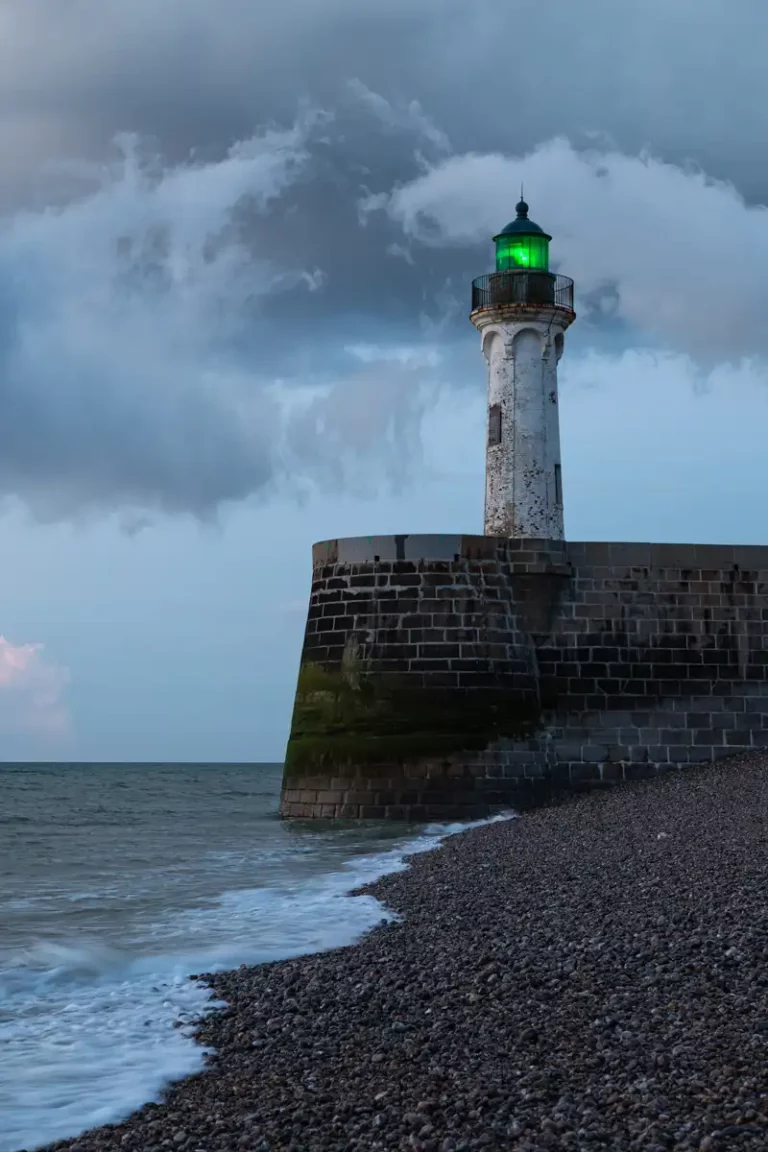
(343, 723)
(380, 747)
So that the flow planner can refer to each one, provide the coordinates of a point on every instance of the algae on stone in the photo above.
(364, 718)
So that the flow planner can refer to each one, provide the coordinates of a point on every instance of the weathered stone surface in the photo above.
(470, 673)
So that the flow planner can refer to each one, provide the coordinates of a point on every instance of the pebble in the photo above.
(572, 980)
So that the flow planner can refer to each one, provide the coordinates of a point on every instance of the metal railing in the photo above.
(522, 287)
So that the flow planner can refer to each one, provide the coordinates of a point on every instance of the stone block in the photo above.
(298, 811)
(454, 771)
(337, 609)
(416, 770)
(397, 812)
(560, 774)
(594, 753)
(477, 771)
(614, 719)
(723, 721)
(325, 552)
(678, 753)
(343, 782)
(520, 756)
(669, 721)
(720, 557)
(740, 738)
(568, 750)
(380, 783)
(610, 772)
(624, 556)
(331, 597)
(607, 736)
(638, 755)
(703, 755)
(676, 736)
(639, 771)
(595, 555)
(584, 773)
(436, 770)
(423, 665)
(630, 736)
(749, 556)
(648, 735)
(399, 796)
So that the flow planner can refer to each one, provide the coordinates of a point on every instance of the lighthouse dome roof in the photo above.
(521, 225)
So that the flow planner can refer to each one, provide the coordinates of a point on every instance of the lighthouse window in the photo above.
(558, 485)
(494, 425)
(522, 252)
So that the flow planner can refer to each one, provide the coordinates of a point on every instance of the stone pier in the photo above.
(453, 676)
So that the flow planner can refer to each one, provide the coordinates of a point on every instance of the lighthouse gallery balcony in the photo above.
(521, 286)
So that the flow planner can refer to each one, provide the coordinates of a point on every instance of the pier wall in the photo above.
(447, 676)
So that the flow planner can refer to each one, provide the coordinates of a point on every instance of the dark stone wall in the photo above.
(446, 676)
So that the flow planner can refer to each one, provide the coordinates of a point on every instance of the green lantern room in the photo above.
(522, 245)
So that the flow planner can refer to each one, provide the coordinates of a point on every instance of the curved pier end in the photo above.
(447, 676)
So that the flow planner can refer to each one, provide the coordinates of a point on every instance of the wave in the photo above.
(87, 1029)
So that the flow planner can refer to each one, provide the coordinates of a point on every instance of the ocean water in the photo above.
(116, 883)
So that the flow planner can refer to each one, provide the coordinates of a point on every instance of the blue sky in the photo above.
(235, 254)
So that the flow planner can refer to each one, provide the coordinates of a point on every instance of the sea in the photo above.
(119, 881)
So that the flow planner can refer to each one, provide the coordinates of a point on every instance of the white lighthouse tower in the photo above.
(522, 311)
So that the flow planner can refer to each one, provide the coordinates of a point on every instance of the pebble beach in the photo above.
(591, 975)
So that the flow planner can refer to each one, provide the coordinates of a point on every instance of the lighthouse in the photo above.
(522, 311)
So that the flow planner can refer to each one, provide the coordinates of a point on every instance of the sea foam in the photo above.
(89, 1032)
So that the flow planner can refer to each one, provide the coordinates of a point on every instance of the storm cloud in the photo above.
(156, 344)
(686, 78)
(237, 242)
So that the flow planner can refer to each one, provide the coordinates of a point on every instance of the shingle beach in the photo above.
(591, 975)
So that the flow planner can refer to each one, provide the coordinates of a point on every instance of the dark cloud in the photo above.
(205, 320)
(687, 78)
(159, 334)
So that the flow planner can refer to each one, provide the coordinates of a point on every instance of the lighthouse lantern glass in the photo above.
(522, 252)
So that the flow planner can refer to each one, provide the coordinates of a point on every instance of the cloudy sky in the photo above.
(236, 243)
